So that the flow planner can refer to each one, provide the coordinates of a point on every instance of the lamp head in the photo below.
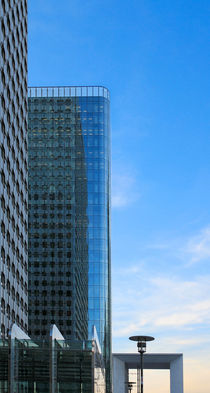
(141, 342)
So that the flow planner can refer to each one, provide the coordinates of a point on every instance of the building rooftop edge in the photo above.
(68, 91)
(146, 354)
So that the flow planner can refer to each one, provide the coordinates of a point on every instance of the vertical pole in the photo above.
(11, 373)
(138, 380)
(52, 361)
(80, 375)
(141, 354)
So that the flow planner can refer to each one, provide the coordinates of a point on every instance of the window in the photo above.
(3, 229)
(3, 178)
(8, 310)
(8, 22)
(2, 330)
(13, 316)
(3, 280)
(3, 156)
(13, 293)
(13, 270)
(3, 127)
(8, 189)
(8, 262)
(3, 254)
(3, 78)
(3, 54)
(17, 298)
(8, 237)
(2, 22)
(2, 305)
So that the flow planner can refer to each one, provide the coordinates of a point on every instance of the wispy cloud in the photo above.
(198, 247)
(190, 249)
(172, 304)
(124, 190)
(160, 303)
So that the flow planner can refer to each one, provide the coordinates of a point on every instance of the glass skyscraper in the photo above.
(13, 165)
(69, 213)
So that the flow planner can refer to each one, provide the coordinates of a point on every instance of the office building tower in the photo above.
(69, 207)
(13, 164)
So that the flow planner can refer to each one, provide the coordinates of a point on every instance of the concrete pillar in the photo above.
(120, 374)
(176, 375)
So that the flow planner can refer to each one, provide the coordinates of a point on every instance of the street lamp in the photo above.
(141, 345)
(130, 386)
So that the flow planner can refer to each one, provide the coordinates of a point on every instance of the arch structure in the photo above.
(123, 362)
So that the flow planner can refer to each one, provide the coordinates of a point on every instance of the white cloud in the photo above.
(172, 305)
(124, 190)
(199, 246)
(160, 304)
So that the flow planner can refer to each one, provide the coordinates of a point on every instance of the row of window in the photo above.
(51, 272)
(16, 206)
(50, 312)
(19, 280)
(36, 292)
(68, 132)
(18, 93)
(18, 10)
(53, 225)
(14, 151)
(51, 303)
(60, 322)
(45, 283)
(44, 206)
(16, 53)
(14, 108)
(6, 185)
(46, 332)
(17, 141)
(51, 197)
(11, 118)
(20, 323)
(6, 259)
(51, 235)
(45, 254)
(52, 101)
(18, 42)
(51, 245)
(10, 217)
(11, 242)
(11, 313)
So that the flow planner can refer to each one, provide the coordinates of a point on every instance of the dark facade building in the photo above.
(13, 165)
(69, 206)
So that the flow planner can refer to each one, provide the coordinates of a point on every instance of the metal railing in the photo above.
(68, 91)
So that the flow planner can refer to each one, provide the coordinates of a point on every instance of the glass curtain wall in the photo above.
(25, 367)
(69, 185)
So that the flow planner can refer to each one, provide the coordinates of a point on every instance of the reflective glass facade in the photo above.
(51, 366)
(69, 206)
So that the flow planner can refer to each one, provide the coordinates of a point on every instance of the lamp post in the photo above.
(141, 345)
(130, 386)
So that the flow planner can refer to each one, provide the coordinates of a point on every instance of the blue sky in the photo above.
(154, 58)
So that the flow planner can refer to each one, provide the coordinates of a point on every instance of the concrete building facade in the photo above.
(123, 362)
